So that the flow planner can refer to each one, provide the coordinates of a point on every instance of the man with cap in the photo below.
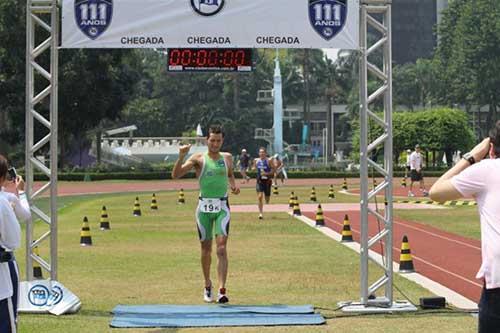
(416, 171)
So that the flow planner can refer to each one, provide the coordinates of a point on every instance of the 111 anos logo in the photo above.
(93, 17)
(328, 17)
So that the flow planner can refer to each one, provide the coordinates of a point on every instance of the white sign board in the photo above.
(210, 23)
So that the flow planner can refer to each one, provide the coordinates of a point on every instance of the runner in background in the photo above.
(265, 172)
(244, 164)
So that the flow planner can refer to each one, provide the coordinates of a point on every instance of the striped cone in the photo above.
(320, 220)
(405, 260)
(85, 238)
(296, 207)
(181, 200)
(344, 184)
(275, 190)
(137, 207)
(313, 195)
(346, 230)
(291, 200)
(403, 182)
(331, 193)
(104, 219)
(37, 270)
(154, 204)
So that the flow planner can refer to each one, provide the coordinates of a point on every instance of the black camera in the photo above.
(12, 174)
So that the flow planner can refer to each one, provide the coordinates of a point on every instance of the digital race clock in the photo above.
(210, 59)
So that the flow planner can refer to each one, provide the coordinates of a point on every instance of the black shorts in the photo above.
(264, 185)
(416, 176)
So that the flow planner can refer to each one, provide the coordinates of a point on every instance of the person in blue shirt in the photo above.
(265, 173)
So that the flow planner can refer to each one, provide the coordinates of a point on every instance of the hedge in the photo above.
(81, 176)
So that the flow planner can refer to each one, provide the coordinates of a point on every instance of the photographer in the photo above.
(475, 176)
(10, 239)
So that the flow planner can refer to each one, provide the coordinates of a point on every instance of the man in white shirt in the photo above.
(10, 239)
(474, 177)
(416, 171)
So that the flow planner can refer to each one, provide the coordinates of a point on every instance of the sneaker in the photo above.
(425, 193)
(261, 217)
(410, 194)
(222, 298)
(207, 294)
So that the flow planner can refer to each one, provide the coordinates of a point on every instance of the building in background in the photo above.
(414, 28)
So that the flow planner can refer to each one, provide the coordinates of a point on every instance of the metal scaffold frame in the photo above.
(41, 14)
(44, 14)
(376, 15)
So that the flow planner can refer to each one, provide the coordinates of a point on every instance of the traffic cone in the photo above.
(85, 238)
(320, 220)
(37, 270)
(291, 200)
(403, 182)
(313, 195)
(405, 260)
(331, 193)
(346, 230)
(344, 184)
(137, 207)
(154, 204)
(104, 219)
(275, 190)
(181, 199)
(296, 207)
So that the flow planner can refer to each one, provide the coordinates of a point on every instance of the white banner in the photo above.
(210, 23)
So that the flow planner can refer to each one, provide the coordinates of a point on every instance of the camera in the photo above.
(12, 174)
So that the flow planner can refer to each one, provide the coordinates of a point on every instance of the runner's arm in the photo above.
(230, 174)
(180, 168)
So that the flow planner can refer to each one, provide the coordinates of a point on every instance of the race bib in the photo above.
(263, 177)
(210, 205)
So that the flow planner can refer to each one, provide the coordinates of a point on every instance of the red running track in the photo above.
(446, 258)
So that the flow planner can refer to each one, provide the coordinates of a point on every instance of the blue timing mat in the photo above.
(214, 315)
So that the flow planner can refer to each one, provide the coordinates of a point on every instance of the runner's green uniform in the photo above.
(213, 185)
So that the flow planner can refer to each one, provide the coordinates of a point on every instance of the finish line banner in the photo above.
(210, 23)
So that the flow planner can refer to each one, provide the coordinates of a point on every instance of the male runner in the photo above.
(214, 171)
(265, 171)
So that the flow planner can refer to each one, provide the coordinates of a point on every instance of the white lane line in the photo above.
(435, 287)
(420, 259)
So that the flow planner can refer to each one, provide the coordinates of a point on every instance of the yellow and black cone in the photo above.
(344, 184)
(291, 200)
(275, 190)
(296, 207)
(104, 219)
(313, 195)
(181, 200)
(403, 182)
(154, 203)
(85, 238)
(405, 260)
(331, 193)
(137, 207)
(320, 220)
(37, 270)
(346, 230)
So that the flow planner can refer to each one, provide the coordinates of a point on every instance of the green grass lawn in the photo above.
(154, 259)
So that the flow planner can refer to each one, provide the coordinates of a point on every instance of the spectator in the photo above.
(416, 174)
(474, 176)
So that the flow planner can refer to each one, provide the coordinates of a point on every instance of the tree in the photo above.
(442, 129)
(468, 55)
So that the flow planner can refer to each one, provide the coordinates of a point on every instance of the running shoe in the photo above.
(207, 294)
(222, 298)
(410, 194)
